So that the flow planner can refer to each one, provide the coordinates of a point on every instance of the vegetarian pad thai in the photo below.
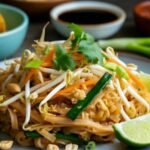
(69, 93)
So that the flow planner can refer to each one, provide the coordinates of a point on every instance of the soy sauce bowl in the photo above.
(98, 29)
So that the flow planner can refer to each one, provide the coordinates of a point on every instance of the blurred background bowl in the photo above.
(17, 23)
(36, 9)
(99, 31)
(142, 17)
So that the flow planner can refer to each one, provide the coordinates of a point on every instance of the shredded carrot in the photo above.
(29, 75)
(76, 85)
(48, 59)
(46, 63)
(132, 76)
(78, 56)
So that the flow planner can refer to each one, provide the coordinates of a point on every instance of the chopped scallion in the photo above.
(90, 146)
(34, 64)
(82, 104)
(32, 134)
(70, 137)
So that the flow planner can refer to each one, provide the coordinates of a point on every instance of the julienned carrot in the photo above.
(29, 75)
(132, 76)
(76, 85)
(47, 62)
(78, 56)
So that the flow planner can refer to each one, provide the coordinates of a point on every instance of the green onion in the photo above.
(59, 135)
(137, 45)
(90, 146)
(82, 104)
(34, 64)
(70, 137)
(145, 78)
(32, 134)
(63, 60)
(46, 50)
(120, 71)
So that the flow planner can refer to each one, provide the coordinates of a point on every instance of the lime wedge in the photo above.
(135, 132)
(145, 78)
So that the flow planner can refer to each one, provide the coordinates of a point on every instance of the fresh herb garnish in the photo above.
(85, 44)
(63, 59)
(36, 63)
(70, 137)
(91, 51)
(59, 135)
(80, 34)
(78, 31)
(82, 43)
(32, 134)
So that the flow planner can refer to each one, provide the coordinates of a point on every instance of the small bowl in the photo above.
(99, 31)
(142, 17)
(36, 8)
(17, 24)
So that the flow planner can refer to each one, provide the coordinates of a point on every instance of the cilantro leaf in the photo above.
(78, 31)
(89, 37)
(63, 59)
(79, 34)
(36, 63)
(86, 45)
(91, 51)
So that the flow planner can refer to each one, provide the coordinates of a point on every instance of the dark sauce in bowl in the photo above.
(88, 16)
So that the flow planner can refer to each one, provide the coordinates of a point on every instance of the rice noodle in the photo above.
(35, 116)
(65, 122)
(14, 119)
(18, 96)
(44, 107)
(47, 135)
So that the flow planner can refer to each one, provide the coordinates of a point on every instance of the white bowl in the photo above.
(98, 30)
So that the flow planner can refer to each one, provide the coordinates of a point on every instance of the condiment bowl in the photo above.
(36, 9)
(142, 17)
(17, 23)
(100, 30)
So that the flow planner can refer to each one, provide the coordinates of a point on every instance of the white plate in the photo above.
(144, 65)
